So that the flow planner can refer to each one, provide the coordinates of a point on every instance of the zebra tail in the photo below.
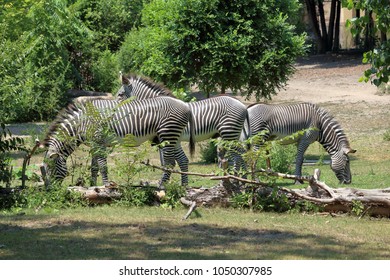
(192, 135)
(247, 130)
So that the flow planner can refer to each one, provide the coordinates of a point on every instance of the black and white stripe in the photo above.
(278, 121)
(157, 120)
(221, 116)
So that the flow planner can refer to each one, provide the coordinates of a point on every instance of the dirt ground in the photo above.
(331, 78)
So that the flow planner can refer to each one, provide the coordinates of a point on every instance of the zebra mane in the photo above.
(327, 119)
(159, 87)
(70, 109)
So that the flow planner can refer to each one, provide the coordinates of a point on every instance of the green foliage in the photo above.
(282, 157)
(208, 152)
(256, 199)
(109, 20)
(184, 95)
(135, 196)
(105, 71)
(246, 46)
(386, 135)
(48, 47)
(379, 57)
(173, 193)
(128, 167)
(37, 198)
(357, 207)
(36, 65)
(8, 143)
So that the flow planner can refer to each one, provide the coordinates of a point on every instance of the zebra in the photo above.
(277, 121)
(158, 120)
(220, 116)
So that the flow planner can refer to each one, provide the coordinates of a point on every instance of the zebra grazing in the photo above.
(220, 116)
(157, 120)
(277, 121)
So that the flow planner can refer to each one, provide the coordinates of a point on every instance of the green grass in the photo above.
(154, 233)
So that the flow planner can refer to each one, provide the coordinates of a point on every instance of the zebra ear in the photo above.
(350, 151)
(53, 156)
(123, 79)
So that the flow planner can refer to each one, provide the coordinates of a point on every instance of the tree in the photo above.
(37, 41)
(51, 46)
(327, 37)
(379, 54)
(246, 45)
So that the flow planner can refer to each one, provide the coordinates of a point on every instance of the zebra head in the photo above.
(340, 165)
(126, 90)
(54, 165)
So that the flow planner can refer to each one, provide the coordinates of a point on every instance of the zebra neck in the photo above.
(332, 137)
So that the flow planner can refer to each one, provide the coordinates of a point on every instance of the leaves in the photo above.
(379, 57)
(242, 45)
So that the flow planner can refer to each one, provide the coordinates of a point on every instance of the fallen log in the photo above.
(374, 202)
(97, 195)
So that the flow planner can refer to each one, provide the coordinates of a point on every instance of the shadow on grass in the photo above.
(44, 239)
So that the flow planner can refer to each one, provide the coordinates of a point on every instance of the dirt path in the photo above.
(331, 78)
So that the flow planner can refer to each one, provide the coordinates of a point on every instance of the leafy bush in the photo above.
(173, 193)
(282, 157)
(244, 45)
(262, 201)
(8, 143)
(208, 152)
(38, 198)
(36, 58)
(135, 196)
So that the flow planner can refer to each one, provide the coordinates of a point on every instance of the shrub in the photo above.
(208, 152)
(8, 143)
(245, 45)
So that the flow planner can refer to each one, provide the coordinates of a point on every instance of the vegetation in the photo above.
(8, 143)
(378, 54)
(247, 46)
(49, 47)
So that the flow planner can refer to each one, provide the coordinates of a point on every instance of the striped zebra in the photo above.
(277, 121)
(100, 121)
(220, 116)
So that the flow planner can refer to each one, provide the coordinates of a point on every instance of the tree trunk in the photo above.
(312, 11)
(336, 42)
(357, 37)
(324, 32)
(331, 22)
(369, 41)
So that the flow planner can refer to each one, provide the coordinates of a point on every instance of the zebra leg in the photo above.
(303, 144)
(238, 162)
(168, 161)
(102, 163)
(94, 170)
(182, 161)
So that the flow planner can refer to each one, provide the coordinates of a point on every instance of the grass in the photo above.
(154, 233)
